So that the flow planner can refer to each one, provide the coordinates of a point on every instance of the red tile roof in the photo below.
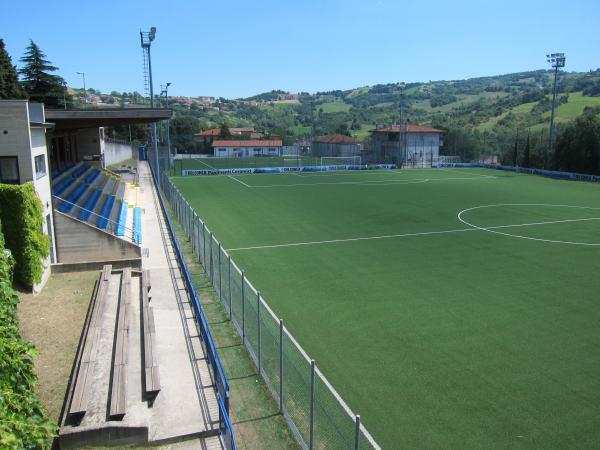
(337, 139)
(249, 143)
(409, 128)
(210, 132)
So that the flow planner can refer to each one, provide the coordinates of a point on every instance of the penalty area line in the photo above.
(239, 181)
(424, 233)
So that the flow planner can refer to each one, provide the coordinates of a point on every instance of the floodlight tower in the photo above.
(146, 39)
(165, 91)
(84, 89)
(402, 150)
(557, 61)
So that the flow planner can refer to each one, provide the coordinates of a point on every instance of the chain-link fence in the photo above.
(317, 415)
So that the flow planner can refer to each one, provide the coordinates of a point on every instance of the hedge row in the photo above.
(21, 214)
(23, 422)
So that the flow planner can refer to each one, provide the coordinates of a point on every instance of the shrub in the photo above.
(23, 422)
(21, 216)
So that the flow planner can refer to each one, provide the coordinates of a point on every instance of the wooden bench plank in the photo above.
(83, 380)
(118, 394)
(151, 372)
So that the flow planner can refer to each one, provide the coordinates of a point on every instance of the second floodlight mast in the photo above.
(146, 39)
(557, 61)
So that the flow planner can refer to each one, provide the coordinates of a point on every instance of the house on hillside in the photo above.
(245, 148)
(336, 145)
(410, 144)
(208, 136)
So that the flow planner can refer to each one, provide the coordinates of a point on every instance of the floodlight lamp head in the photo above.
(168, 84)
(152, 34)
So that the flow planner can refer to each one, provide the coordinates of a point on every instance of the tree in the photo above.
(9, 80)
(225, 133)
(527, 154)
(39, 84)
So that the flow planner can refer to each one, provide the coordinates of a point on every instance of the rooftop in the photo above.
(337, 139)
(105, 117)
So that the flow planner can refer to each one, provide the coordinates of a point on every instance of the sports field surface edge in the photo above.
(448, 307)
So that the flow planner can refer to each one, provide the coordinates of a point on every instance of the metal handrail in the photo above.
(81, 208)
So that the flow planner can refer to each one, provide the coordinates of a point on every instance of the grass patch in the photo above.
(335, 107)
(53, 321)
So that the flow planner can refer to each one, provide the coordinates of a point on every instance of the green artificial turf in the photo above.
(229, 163)
(438, 334)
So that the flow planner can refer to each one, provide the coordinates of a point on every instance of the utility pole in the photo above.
(146, 39)
(557, 61)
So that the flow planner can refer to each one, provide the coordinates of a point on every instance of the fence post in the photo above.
(312, 405)
(198, 240)
(357, 434)
(281, 366)
(212, 269)
(220, 274)
(258, 329)
(204, 247)
(229, 284)
(243, 312)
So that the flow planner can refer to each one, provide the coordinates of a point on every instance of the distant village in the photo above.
(201, 102)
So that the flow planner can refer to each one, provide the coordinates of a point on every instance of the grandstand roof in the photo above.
(408, 128)
(249, 143)
(105, 117)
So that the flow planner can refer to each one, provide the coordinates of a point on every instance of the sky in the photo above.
(241, 48)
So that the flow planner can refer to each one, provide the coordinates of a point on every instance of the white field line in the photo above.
(239, 181)
(202, 162)
(424, 233)
(367, 182)
(458, 171)
(553, 241)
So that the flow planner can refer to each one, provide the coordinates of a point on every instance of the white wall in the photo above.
(114, 153)
(231, 152)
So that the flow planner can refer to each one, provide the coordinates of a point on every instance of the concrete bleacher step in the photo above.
(64, 174)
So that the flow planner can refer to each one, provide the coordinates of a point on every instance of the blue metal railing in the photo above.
(221, 382)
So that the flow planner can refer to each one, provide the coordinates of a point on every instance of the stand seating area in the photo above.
(99, 198)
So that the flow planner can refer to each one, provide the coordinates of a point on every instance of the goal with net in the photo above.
(341, 160)
(292, 162)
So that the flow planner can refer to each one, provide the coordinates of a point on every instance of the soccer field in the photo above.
(451, 308)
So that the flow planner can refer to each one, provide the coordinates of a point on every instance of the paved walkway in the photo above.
(186, 407)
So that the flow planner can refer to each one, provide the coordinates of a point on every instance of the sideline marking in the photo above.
(553, 241)
(372, 182)
(239, 181)
(424, 233)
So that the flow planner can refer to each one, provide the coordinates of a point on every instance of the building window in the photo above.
(221, 149)
(272, 150)
(40, 166)
(9, 170)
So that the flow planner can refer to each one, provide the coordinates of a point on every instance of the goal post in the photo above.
(292, 162)
(341, 161)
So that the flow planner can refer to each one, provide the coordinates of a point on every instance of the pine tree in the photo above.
(9, 80)
(39, 84)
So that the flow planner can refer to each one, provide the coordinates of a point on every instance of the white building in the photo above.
(244, 148)
(420, 145)
(24, 157)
